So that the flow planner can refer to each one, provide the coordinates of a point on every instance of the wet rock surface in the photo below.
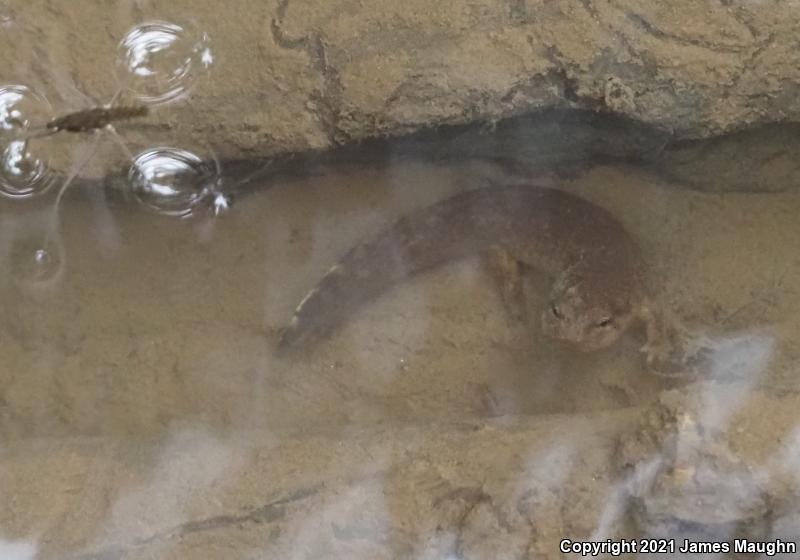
(292, 76)
(510, 488)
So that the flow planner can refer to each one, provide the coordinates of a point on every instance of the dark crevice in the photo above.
(652, 30)
(268, 513)
(587, 5)
(750, 64)
(327, 99)
(562, 75)
(518, 11)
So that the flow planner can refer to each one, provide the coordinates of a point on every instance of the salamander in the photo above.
(599, 287)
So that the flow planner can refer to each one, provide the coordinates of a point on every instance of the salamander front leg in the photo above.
(669, 350)
(507, 273)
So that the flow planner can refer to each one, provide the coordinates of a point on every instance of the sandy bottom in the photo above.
(153, 328)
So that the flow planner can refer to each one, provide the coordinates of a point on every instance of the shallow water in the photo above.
(154, 322)
(154, 328)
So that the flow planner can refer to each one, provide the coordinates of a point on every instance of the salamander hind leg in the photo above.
(507, 273)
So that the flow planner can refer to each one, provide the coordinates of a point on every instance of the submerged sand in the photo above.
(144, 412)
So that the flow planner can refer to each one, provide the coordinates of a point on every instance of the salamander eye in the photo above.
(605, 322)
(556, 311)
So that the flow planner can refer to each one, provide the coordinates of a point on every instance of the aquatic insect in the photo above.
(86, 120)
(95, 118)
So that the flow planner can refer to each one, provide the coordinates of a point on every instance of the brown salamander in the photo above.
(599, 282)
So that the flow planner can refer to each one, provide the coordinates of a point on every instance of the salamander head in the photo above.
(589, 314)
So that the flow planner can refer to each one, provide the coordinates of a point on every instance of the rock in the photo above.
(693, 468)
(418, 491)
(295, 76)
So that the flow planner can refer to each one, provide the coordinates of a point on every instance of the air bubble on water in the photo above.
(24, 171)
(20, 108)
(158, 61)
(35, 262)
(173, 181)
